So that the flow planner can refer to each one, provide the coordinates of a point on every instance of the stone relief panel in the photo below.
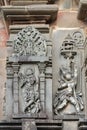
(69, 96)
(67, 91)
(31, 71)
(29, 41)
(29, 89)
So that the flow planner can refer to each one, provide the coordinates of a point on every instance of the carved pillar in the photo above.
(42, 85)
(15, 88)
(8, 100)
(85, 71)
(49, 90)
(49, 82)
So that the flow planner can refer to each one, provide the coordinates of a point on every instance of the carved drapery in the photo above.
(29, 87)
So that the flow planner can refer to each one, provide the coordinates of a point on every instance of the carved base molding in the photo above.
(32, 14)
(67, 117)
(27, 2)
(41, 115)
(26, 124)
(82, 124)
(31, 125)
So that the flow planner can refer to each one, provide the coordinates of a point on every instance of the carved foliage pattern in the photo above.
(30, 41)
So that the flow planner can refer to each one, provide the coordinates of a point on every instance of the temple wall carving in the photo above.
(46, 65)
(29, 68)
(68, 81)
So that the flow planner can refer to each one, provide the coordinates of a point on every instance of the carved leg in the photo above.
(75, 103)
(77, 108)
(81, 106)
(61, 106)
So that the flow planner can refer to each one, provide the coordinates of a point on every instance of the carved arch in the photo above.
(29, 41)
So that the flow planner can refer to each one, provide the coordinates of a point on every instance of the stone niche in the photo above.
(29, 75)
(69, 84)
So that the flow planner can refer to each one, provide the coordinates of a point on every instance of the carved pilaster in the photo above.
(8, 90)
(49, 88)
(15, 88)
(9, 70)
(28, 2)
(42, 85)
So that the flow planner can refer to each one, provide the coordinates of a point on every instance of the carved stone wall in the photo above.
(46, 80)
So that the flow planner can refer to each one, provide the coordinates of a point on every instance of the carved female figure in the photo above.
(29, 88)
(67, 91)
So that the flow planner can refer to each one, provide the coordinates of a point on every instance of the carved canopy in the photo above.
(29, 41)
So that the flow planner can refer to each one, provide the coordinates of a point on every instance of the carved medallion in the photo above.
(78, 38)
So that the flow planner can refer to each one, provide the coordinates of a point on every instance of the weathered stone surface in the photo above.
(71, 16)
(32, 14)
(68, 4)
(29, 125)
(29, 89)
(64, 19)
(82, 125)
(61, 63)
(10, 125)
(82, 10)
(2, 82)
(27, 2)
(72, 125)
(3, 33)
(1, 2)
